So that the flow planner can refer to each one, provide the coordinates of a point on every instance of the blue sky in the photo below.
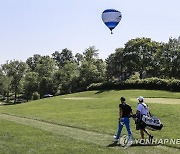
(31, 27)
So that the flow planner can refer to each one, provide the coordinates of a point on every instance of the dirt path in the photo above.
(78, 134)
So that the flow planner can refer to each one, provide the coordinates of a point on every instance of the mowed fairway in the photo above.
(84, 123)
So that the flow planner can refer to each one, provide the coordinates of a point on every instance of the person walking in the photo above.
(142, 109)
(125, 112)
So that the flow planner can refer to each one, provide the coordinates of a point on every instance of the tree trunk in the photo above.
(15, 95)
(7, 100)
(141, 75)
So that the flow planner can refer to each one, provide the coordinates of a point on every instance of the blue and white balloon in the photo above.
(111, 18)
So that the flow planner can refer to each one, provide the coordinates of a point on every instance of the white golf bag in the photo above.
(152, 123)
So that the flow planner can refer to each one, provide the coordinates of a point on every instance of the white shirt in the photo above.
(143, 109)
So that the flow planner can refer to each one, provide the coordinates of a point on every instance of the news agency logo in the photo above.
(157, 141)
(126, 142)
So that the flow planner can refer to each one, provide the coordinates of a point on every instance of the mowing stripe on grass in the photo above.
(78, 134)
(75, 133)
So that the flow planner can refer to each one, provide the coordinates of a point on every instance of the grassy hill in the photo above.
(79, 120)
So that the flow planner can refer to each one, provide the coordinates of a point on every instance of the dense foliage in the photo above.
(142, 63)
(148, 83)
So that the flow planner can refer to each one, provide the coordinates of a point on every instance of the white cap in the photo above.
(141, 99)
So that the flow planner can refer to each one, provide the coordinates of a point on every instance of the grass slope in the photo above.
(98, 115)
(21, 139)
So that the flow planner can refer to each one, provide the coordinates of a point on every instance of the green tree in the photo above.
(14, 72)
(33, 62)
(66, 78)
(79, 58)
(88, 74)
(5, 85)
(46, 86)
(43, 65)
(115, 67)
(139, 55)
(31, 84)
(92, 69)
(61, 58)
(170, 59)
(90, 54)
(1, 82)
(101, 67)
(46, 67)
(110, 67)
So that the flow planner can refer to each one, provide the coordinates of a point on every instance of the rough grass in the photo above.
(100, 115)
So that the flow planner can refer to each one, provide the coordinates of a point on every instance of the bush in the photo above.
(35, 96)
(175, 85)
(149, 83)
(135, 76)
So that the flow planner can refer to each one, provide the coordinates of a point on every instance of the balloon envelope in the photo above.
(111, 18)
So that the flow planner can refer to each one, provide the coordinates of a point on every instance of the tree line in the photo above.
(62, 72)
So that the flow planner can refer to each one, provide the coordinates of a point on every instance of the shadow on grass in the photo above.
(102, 91)
(11, 103)
(139, 144)
(115, 144)
(171, 146)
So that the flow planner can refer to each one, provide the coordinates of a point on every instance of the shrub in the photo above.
(35, 96)
(149, 83)
(175, 85)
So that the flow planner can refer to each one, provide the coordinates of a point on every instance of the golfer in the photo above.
(125, 112)
(142, 109)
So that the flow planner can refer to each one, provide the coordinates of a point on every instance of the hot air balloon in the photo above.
(111, 18)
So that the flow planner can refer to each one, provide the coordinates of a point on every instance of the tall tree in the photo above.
(92, 69)
(115, 68)
(101, 67)
(1, 82)
(88, 74)
(15, 70)
(170, 59)
(138, 55)
(33, 61)
(46, 86)
(45, 67)
(5, 85)
(90, 54)
(31, 84)
(65, 78)
(79, 58)
(61, 58)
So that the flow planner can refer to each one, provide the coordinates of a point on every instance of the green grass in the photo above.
(99, 115)
(20, 139)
